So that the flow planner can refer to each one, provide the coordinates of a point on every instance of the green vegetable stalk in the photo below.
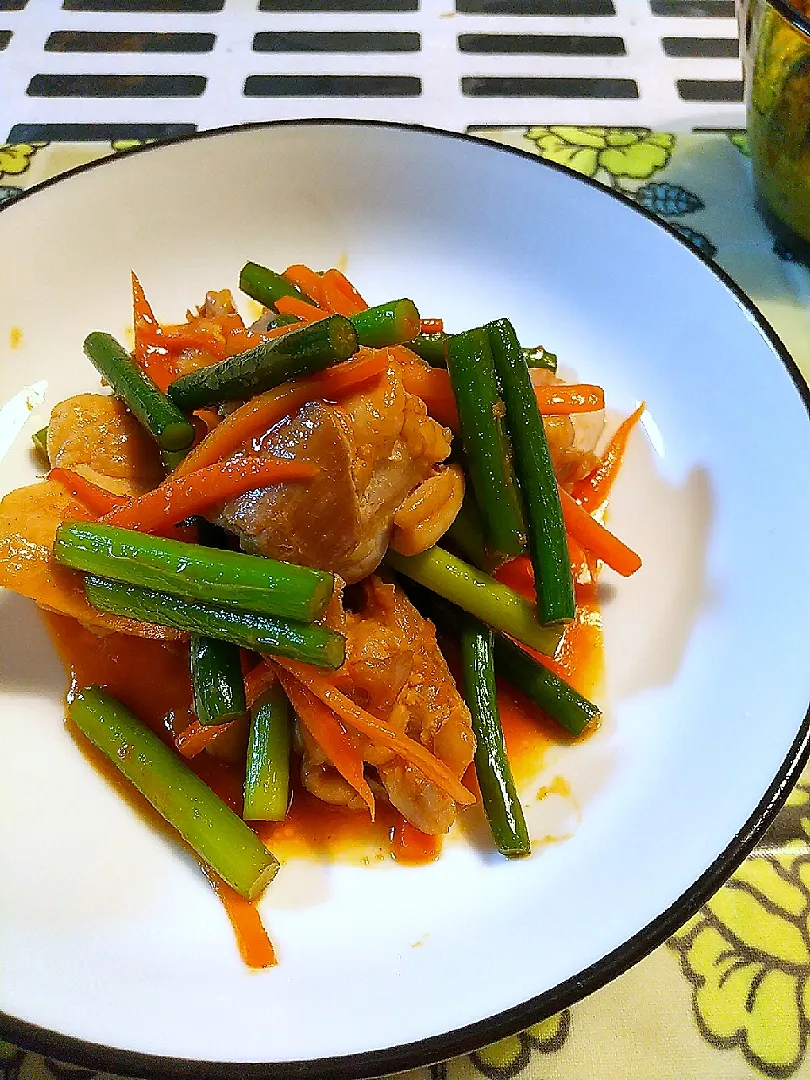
(218, 836)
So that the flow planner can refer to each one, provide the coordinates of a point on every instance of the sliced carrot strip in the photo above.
(261, 412)
(410, 751)
(330, 735)
(179, 497)
(432, 385)
(594, 537)
(152, 359)
(565, 398)
(343, 283)
(241, 340)
(432, 326)
(208, 417)
(255, 947)
(339, 295)
(579, 560)
(306, 280)
(96, 499)
(592, 491)
(291, 305)
(186, 336)
(257, 681)
(409, 845)
(518, 574)
(196, 737)
(344, 378)
(280, 331)
(144, 317)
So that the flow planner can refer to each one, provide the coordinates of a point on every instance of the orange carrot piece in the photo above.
(196, 737)
(518, 574)
(339, 295)
(209, 417)
(330, 735)
(96, 499)
(408, 749)
(239, 341)
(432, 326)
(253, 418)
(152, 359)
(306, 280)
(144, 317)
(291, 305)
(432, 385)
(334, 301)
(179, 497)
(280, 331)
(255, 947)
(565, 398)
(409, 845)
(257, 681)
(263, 411)
(592, 491)
(187, 336)
(594, 537)
(344, 378)
(343, 283)
(578, 558)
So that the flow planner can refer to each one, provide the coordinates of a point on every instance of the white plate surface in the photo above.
(107, 933)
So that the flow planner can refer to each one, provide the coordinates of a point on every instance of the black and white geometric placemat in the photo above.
(97, 69)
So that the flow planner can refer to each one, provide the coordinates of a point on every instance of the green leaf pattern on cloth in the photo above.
(747, 956)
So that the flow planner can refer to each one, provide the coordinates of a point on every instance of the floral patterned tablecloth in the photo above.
(729, 995)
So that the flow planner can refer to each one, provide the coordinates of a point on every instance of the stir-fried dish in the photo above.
(284, 564)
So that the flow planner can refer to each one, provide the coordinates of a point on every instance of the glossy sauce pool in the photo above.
(312, 828)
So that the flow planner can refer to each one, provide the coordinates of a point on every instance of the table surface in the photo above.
(729, 995)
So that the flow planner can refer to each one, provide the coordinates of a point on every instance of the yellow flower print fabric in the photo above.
(635, 153)
(16, 158)
(509, 1057)
(747, 955)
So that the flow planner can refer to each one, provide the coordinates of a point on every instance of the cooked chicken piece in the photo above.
(395, 670)
(321, 778)
(29, 518)
(314, 522)
(94, 435)
(373, 449)
(427, 513)
(97, 436)
(572, 440)
(217, 302)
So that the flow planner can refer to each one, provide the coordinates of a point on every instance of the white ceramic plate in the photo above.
(114, 951)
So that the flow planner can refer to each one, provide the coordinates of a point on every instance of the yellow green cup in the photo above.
(775, 43)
